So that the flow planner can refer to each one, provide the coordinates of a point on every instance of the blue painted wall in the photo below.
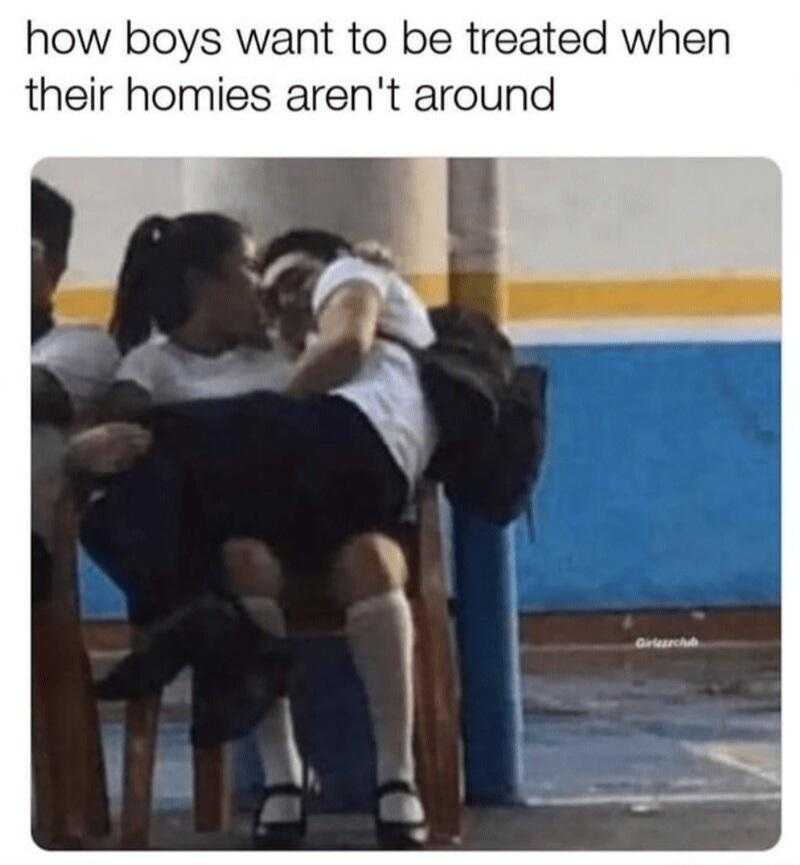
(661, 486)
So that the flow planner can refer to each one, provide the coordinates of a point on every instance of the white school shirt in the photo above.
(170, 373)
(387, 388)
(83, 358)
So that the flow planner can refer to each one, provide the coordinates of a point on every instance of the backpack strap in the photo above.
(414, 350)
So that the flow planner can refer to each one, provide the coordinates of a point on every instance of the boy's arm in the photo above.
(347, 327)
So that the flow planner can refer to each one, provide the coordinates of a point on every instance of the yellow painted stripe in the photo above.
(646, 296)
(431, 287)
(486, 292)
(524, 299)
(85, 303)
(94, 303)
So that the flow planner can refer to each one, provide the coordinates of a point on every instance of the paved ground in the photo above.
(623, 750)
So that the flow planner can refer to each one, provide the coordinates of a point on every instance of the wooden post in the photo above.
(141, 736)
(69, 773)
(212, 793)
(437, 728)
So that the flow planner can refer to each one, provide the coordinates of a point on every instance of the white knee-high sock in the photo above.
(279, 752)
(380, 633)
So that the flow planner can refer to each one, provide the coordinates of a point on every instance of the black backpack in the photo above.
(490, 413)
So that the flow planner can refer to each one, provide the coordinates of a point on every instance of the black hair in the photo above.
(152, 287)
(324, 245)
(51, 220)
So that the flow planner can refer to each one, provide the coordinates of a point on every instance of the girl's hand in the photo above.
(108, 448)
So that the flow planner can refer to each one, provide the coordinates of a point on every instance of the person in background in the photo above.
(51, 228)
(72, 367)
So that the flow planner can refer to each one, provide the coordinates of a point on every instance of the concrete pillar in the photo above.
(478, 236)
(400, 202)
(488, 641)
(484, 554)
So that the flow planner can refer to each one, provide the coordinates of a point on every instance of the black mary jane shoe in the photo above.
(286, 835)
(396, 834)
(246, 666)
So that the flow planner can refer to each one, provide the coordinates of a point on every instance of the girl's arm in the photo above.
(347, 325)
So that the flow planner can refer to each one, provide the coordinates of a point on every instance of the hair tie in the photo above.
(158, 229)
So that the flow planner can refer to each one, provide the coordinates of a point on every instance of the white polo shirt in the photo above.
(83, 358)
(170, 373)
(387, 388)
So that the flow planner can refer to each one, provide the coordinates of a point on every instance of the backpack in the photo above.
(490, 414)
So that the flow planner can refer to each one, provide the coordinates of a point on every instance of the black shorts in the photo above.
(302, 475)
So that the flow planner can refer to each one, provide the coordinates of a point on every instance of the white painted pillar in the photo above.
(478, 236)
(400, 202)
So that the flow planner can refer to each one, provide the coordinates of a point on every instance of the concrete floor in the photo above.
(624, 750)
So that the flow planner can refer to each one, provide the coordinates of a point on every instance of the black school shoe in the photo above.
(286, 835)
(239, 669)
(165, 651)
(227, 704)
(395, 834)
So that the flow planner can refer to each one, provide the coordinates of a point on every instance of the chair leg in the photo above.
(45, 779)
(437, 728)
(98, 818)
(141, 733)
(212, 797)
(69, 771)
(68, 765)
(68, 759)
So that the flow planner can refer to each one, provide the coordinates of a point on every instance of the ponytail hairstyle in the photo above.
(153, 288)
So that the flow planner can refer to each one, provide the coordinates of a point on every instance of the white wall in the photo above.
(110, 196)
(401, 202)
(564, 216)
(640, 216)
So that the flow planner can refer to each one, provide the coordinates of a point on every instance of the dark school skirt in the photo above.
(302, 475)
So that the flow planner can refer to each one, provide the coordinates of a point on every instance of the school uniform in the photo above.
(135, 540)
(169, 373)
(303, 475)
